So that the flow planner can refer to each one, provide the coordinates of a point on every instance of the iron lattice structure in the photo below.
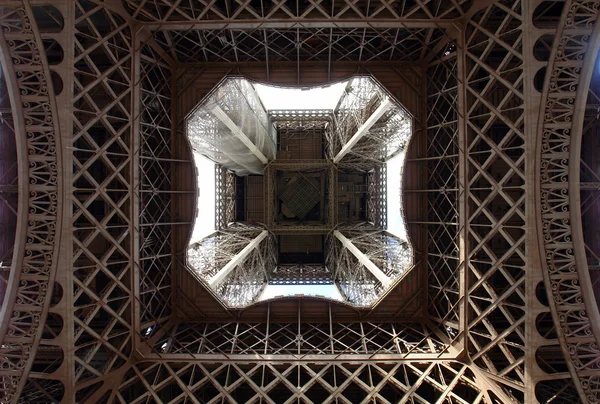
(97, 101)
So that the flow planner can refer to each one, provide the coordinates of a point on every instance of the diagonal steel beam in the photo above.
(237, 259)
(374, 269)
(222, 116)
(362, 131)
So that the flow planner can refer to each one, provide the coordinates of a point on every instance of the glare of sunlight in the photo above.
(328, 291)
(325, 97)
(394, 202)
(205, 219)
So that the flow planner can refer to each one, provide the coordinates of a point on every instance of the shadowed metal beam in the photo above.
(385, 105)
(288, 23)
(374, 269)
(238, 259)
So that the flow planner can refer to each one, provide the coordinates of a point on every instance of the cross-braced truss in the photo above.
(224, 197)
(189, 12)
(301, 382)
(327, 341)
(87, 312)
(364, 110)
(494, 194)
(229, 262)
(300, 274)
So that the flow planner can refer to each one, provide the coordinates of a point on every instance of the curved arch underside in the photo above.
(100, 308)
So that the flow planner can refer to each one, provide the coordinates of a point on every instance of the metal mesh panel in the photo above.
(300, 197)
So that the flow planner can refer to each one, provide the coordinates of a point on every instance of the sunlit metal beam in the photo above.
(219, 113)
(374, 269)
(362, 131)
(238, 259)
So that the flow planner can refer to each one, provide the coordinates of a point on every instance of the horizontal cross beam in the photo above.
(312, 23)
(308, 358)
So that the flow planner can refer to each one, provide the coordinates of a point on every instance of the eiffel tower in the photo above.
(168, 236)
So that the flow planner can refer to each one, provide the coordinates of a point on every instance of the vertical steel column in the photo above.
(463, 192)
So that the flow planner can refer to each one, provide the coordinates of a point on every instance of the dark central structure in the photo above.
(301, 195)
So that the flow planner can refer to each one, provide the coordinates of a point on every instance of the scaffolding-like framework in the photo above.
(89, 315)
(365, 118)
(224, 261)
(224, 197)
(232, 128)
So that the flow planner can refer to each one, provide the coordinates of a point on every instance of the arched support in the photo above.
(36, 125)
(575, 186)
(566, 275)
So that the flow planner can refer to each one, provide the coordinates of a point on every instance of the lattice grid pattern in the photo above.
(496, 198)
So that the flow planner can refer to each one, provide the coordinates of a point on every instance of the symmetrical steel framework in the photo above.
(88, 314)
(300, 166)
(365, 130)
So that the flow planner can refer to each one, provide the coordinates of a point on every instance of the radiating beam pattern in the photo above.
(92, 310)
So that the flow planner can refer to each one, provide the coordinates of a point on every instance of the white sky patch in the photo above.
(205, 221)
(296, 98)
(394, 218)
(329, 291)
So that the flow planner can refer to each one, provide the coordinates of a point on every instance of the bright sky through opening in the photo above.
(295, 99)
(205, 219)
(394, 200)
(329, 291)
